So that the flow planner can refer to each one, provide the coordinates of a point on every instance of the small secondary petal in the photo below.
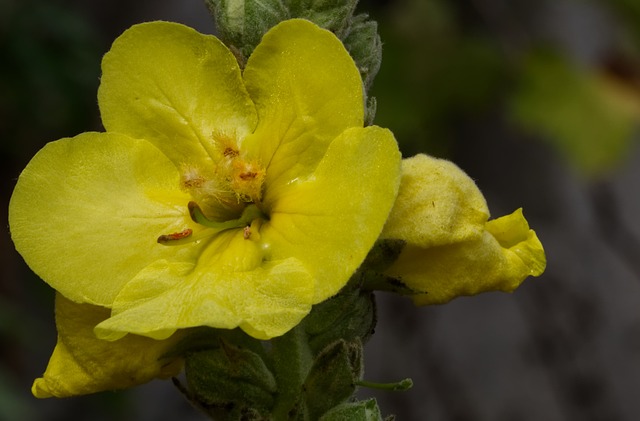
(82, 364)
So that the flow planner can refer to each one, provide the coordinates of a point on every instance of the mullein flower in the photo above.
(451, 248)
(81, 364)
(216, 197)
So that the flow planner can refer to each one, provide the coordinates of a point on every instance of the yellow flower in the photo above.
(81, 364)
(216, 197)
(451, 249)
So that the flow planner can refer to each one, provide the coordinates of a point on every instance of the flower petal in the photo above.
(513, 233)
(307, 91)
(331, 219)
(87, 211)
(266, 301)
(437, 204)
(82, 364)
(168, 84)
(499, 260)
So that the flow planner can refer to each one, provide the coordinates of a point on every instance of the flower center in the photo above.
(224, 197)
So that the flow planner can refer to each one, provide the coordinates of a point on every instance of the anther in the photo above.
(175, 236)
(248, 175)
(230, 152)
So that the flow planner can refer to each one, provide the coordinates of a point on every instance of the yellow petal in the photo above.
(307, 91)
(489, 263)
(87, 211)
(513, 233)
(168, 84)
(331, 219)
(266, 301)
(82, 364)
(437, 204)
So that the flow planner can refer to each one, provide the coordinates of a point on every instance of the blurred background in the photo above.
(537, 100)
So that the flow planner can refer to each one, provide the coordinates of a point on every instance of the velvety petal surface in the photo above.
(229, 287)
(307, 91)
(168, 84)
(437, 204)
(331, 219)
(82, 364)
(513, 233)
(87, 211)
(489, 263)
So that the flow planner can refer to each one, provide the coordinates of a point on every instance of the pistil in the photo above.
(250, 214)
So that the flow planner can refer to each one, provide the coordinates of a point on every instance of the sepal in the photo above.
(242, 23)
(333, 377)
(355, 411)
(230, 376)
(348, 316)
(365, 46)
(334, 15)
(300, 375)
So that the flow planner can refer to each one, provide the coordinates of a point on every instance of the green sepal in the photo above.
(205, 338)
(334, 15)
(350, 315)
(333, 377)
(354, 411)
(301, 375)
(371, 107)
(230, 380)
(242, 23)
(370, 275)
(365, 47)
(383, 254)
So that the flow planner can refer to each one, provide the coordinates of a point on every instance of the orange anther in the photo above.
(175, 236)
(246, 232)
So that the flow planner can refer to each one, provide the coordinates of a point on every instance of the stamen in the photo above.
(226, 142)
(246, 179)
(193, 183)
(165, 238)
(250, 213)
(230, 152)
(248, 175)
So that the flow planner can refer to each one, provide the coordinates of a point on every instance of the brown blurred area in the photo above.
(460, 80)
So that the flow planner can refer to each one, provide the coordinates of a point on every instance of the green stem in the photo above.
(292, 359)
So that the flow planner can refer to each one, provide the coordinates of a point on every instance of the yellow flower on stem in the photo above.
(451, 247)
(216, 197)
